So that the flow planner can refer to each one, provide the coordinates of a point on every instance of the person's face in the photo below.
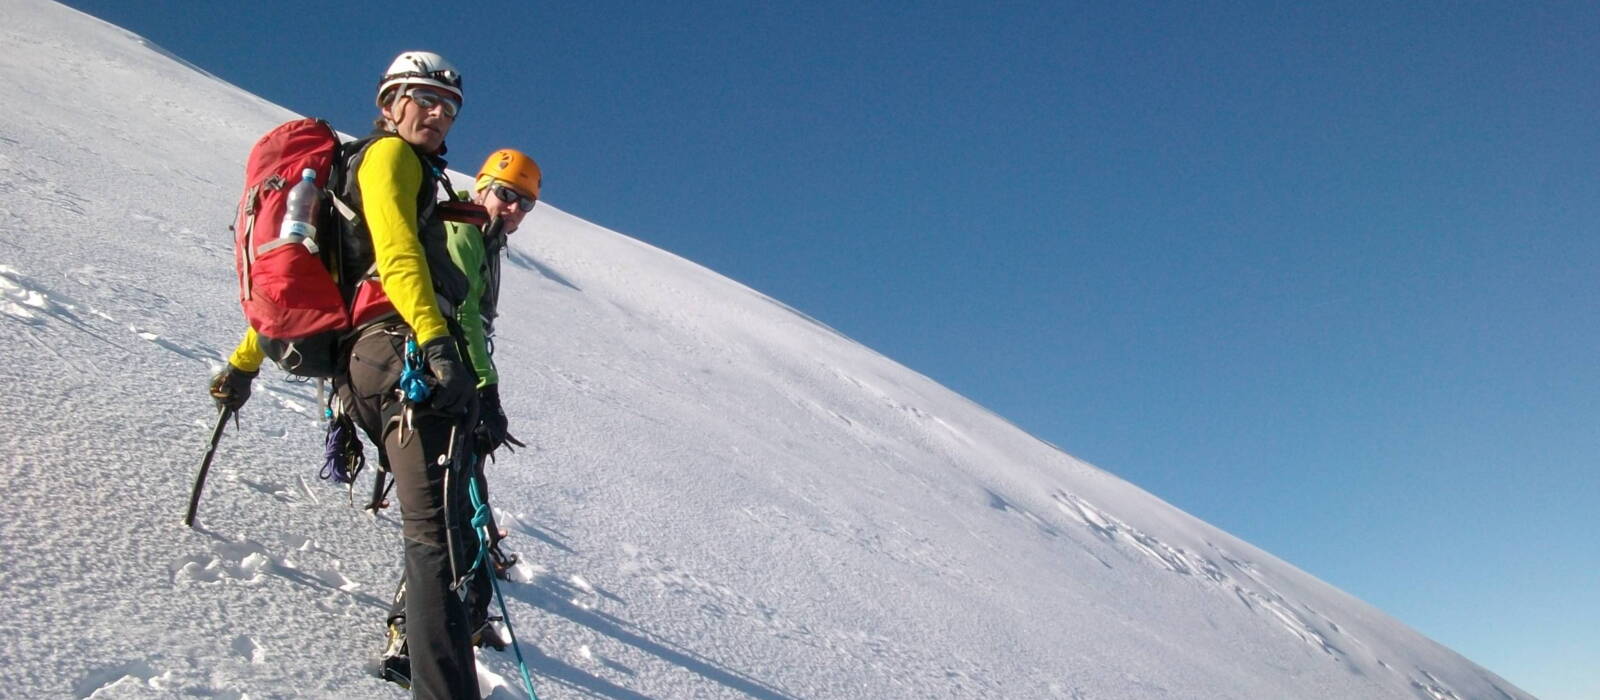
(422, 116)
(509, 212)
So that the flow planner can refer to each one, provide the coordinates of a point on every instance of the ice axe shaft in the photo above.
(205, 465)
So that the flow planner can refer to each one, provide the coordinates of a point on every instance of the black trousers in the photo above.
(480, 593)
(435, 510)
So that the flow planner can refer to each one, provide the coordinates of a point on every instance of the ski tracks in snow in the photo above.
(1245, 584)
(52, 319)
(1252, 590)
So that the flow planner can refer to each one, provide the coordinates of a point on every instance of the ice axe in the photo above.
(205, 465)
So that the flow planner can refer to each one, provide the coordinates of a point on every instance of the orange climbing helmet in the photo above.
(514, 168)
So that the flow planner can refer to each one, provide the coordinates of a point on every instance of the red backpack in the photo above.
(289, 296)
(295, 304)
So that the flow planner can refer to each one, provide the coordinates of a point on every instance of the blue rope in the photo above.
(413, 377)
(413, 383)
(481, 521)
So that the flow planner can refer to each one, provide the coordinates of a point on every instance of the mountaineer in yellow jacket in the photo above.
(402, 286)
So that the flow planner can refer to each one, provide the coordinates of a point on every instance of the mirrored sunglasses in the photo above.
(428, 99)
(511, 196)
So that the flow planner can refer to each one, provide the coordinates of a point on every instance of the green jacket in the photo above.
(476, 315)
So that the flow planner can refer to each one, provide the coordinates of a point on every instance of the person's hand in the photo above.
(230, 388)
(492, 429)
(453, 384)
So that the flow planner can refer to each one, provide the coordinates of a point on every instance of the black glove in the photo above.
(492, 425)
(453, 384)
(230, 388)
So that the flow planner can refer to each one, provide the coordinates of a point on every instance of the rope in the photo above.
(342, 454)
(414, 385)
(481, 521)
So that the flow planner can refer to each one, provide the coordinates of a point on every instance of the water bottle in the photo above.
(300, 211)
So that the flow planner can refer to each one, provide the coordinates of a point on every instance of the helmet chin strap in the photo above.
(390, 124)
(494, 235)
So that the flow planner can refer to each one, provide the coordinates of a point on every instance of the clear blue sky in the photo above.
(1323, 276)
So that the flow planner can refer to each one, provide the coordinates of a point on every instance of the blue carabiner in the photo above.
(414, 376)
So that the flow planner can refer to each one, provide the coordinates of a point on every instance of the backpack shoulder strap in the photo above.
(343, 182)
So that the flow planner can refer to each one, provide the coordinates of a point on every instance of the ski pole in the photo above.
(205, 465)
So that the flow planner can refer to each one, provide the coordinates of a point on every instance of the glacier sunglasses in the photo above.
(511, 196)
(428, 99)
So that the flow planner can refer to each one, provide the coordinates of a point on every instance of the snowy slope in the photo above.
(721, 498)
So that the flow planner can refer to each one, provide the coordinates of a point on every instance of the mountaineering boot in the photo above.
(488, 635)
(396, 670)
(395, 664)
(502, 561)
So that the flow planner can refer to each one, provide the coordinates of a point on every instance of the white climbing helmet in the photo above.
(420, 68)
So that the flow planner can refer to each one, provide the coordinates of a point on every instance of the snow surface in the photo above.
(721, 497)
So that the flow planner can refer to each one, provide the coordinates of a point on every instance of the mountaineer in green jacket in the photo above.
(507, 187)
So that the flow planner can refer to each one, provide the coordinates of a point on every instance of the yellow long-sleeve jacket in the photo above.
(390, 177)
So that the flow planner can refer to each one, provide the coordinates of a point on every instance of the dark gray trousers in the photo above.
(438, 628)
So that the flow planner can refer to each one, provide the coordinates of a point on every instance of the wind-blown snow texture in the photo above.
(721, 497)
